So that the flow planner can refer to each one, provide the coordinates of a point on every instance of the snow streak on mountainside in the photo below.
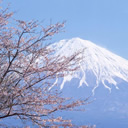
(106, 67)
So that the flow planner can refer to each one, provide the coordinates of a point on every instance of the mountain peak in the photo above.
(104, 66)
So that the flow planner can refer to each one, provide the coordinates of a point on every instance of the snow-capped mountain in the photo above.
(98, 66)
(100, 72)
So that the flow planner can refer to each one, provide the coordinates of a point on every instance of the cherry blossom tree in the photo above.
(28, 68)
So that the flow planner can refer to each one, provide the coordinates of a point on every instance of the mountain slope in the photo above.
(98, 65)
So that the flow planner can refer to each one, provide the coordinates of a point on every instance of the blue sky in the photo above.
(104, 22)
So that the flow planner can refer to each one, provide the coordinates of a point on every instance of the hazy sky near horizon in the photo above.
(104, 22)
